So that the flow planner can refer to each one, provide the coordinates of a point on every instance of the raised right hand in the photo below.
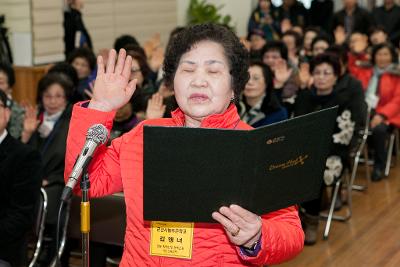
(282, 73)
(155, 107)
(30, 123)
(304, 75)
(112, 88)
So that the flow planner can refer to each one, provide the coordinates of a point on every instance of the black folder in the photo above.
(191, 172)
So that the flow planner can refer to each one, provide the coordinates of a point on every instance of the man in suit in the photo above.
(20, 180)
(352, 18)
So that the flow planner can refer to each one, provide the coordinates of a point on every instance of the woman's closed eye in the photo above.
(213, 71)
(188, 70)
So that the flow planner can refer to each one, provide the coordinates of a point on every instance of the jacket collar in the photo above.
(228, 120)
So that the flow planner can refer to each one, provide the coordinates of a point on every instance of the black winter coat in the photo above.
(20, 181)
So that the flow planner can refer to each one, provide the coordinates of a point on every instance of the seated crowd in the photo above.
(298, 65)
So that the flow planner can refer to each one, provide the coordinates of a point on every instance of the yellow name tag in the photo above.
(171, 239)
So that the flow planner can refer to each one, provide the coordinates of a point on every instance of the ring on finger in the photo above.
(236, 232)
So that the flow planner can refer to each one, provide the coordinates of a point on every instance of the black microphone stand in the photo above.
(85, 217)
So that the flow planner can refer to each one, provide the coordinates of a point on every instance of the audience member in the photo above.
(7, 81)
(321, 13)
(84, 62)
(258, 105)
(381, 82)
(388, 17)
(378, 35)
(293, 42)
(257, 42)
(293, 11)
(326, 70)
(275, 55)
(319, 44)
(20, 179)
(358, 54)
(352, 18)
(262, 18)
(309, 35)
(75, 32)
(47, 133)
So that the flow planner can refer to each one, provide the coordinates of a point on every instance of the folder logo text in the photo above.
(275, 140)
(300, 160)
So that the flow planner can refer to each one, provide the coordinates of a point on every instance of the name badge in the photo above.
(171, 239)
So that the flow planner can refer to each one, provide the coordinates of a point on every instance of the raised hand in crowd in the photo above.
(157, 58)
(31, 122)
(286, 25)
(245, 42)
(152, 44)
(104, 53)
(112, 88)
(165, 91)
(282, 73)
(243, 227)
(340, 35)
(304, 75)
(155, 107)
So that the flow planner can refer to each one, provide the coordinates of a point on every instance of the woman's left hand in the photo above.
(242, 226)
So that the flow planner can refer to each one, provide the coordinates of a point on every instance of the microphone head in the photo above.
(97, 133)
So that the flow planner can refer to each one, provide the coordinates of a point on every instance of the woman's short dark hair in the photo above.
(315, 29)
(85, 53)
(235, 52)
(9, 72)
(66, 69)
(55, 78)
(376, 48)
(124, 40)
(377, 28)
(278, 46)
(340, 51)
(328, 58)
(138, 53)
(267, 73)
(270, 103)
(322, 37)
(297, 38)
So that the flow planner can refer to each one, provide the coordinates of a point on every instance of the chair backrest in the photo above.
(41, 211)
(363, 133)
(38, 227)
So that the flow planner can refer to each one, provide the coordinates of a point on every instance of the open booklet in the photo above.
(191, 172)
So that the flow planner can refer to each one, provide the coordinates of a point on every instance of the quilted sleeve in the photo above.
(282, 238)
(104, 170)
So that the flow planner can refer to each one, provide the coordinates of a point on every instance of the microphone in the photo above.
(96, 135)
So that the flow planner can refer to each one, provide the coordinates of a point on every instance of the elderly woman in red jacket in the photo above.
(381, 83)
(206, 65)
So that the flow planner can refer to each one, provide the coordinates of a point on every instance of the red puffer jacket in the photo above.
(119, 167)
(388, 91)
(354, 62)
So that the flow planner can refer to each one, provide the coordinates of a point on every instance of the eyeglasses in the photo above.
(322, 73)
